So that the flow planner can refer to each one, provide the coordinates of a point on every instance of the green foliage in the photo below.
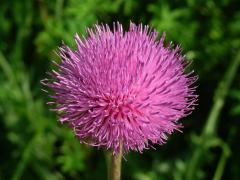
(35, 146)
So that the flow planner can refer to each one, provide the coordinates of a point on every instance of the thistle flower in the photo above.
(122, 88)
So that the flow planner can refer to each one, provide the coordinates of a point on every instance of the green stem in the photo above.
(115, 166)
(221, 165)
(212, 120)
(220, 95)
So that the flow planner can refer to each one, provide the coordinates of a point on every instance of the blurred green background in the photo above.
(33, 145)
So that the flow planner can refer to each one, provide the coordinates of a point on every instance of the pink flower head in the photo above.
(122, 87)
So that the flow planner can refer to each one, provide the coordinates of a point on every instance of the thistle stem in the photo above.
(115, 165)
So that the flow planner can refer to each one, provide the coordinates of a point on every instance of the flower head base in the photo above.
(122, 88)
